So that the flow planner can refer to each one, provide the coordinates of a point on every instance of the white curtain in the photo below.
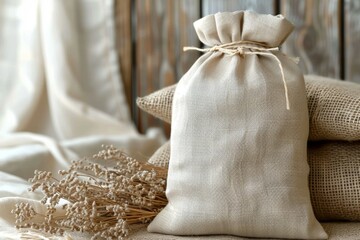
(59, 69)
(61, 93)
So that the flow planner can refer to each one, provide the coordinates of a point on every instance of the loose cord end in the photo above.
(287, 106)
(195, 49)
(296, 60)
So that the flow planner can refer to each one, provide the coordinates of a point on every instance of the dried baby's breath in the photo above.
(102, 200)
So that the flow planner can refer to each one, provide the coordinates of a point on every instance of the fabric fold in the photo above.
(62, 94)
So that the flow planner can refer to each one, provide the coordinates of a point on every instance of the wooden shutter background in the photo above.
(151, 34)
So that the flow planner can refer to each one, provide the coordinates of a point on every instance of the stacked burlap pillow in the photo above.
(333, 147)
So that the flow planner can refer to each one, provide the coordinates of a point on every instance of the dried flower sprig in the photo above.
(102, 200)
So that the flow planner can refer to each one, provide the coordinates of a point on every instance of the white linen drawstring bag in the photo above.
(239, 133)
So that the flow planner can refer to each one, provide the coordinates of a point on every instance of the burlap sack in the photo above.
(334, 107)
(159, 103)
(238, 156)
(162, 156)
(334, 178)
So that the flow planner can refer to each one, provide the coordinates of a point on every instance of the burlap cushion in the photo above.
(334, 178)
(161, 157)
(334, 107)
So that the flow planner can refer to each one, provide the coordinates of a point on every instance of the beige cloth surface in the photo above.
(238, 156)
(335, 230)
(333, 104)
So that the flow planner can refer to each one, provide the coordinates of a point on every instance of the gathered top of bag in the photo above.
(229, 27)
(244, 33)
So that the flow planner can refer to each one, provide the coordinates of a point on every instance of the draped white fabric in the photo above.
(60, 91)
(59, 69)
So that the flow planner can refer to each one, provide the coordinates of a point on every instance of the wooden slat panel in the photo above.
(352, 40)
(316, 36)
(163, 27)
(260, 6)
(123, 44)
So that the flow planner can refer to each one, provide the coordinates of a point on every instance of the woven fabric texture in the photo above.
(334, 107)
(334, 179)
(335, 230)
(159, 103)
(240, 169)
(161, 157)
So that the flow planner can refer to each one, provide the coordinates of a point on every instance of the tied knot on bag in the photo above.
(249, 48)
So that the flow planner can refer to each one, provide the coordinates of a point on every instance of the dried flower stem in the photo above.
(101, 200)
